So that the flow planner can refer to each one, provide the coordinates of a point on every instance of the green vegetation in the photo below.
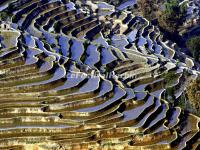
(109, 42)
(86, 44)
(193, 94)
(5, 15)
(77, 6)
(182, 101)
(50, 87)
(193, 44)
(148, 8)
(172, 17)
(184, 104)
(169, 91)
(170, 14)
(170, 78)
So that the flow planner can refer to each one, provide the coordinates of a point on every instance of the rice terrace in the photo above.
(99, 74)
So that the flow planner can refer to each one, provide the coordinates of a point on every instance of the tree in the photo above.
(193, 44)
(4, 16)
(193, 93)
(172, 16)
(148, 8)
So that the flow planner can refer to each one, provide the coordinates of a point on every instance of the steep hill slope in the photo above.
(90, 77)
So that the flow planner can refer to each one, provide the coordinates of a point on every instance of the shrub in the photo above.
(193, 93)
(109, 42)
(170, 78)
(172, 16)
(148, 8)
(3, 16)
(193, 44)
(6, 14)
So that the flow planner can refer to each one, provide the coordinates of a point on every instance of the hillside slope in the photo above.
(90, 77)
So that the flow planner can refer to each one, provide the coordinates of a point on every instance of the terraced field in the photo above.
(94, 77)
